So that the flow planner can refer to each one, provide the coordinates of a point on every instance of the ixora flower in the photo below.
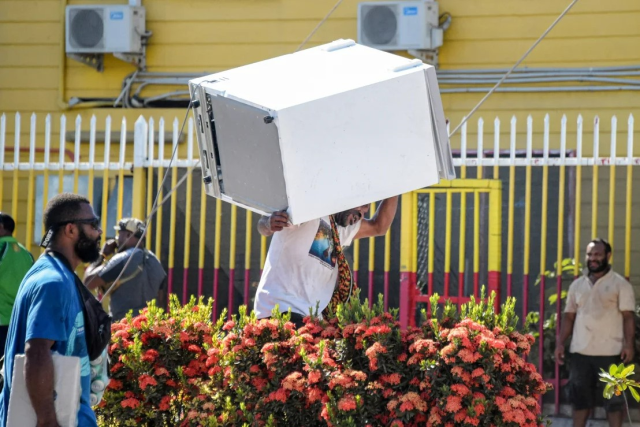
(461, 368)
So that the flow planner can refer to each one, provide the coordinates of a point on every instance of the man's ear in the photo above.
(70, 230)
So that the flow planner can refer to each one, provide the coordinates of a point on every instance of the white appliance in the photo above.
(399, 25)
(320, 131)
(104, 29)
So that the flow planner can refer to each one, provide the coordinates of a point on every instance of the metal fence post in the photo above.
(406, 258)
(495, 239)
(139, 183)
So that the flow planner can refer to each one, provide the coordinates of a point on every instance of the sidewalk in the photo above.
(566, 422)
(599, 419)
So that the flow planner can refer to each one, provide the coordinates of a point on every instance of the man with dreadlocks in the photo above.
(306, 266)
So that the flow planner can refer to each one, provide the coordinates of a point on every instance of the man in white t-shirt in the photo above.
(599, 317)
(301, 269)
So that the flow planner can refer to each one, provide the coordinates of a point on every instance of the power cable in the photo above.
(155, 205)
(464, 120)
(319, 25)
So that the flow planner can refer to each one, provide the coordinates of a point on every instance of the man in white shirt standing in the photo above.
(599, 316)
(305, 266)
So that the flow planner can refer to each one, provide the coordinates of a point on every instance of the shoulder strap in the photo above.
(82, 290)
(345, 286)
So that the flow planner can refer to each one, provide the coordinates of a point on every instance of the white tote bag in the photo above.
(67, 388)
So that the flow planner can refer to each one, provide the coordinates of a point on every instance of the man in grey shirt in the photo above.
(143, 280)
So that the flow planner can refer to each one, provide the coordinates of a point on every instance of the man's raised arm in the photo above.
(277, 221)
(379, 224)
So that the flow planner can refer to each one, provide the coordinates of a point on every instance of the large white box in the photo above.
(321, 131)
(67, 391)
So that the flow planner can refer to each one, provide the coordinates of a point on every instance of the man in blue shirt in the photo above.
(47, 315)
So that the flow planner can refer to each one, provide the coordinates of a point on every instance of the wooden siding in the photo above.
(207, 36)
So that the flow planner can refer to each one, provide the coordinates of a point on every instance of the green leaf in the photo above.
(627, 371)
(613, 369)
(554, 297)
(635, 394)
(606, 377)
(608, 391)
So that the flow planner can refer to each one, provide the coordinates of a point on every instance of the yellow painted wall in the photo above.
(208, 36)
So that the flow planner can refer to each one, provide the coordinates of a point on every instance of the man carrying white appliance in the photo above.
(306, 266)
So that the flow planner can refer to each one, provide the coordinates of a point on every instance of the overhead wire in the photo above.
(558, 19)
(311, 34)
(154, 207)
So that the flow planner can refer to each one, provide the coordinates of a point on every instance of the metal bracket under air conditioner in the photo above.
(427, 56)
(96, 60)
(137, 59)
(93, 60)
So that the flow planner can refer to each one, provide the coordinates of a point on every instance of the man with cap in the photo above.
(143, 279)
(15, 261)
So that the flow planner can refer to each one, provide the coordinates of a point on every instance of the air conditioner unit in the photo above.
(104, 29)
(399, 25)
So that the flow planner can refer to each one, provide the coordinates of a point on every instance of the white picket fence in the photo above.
(144, 146)
(545, 160)
(149, 154)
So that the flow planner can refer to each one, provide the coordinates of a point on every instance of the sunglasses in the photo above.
(93, 222)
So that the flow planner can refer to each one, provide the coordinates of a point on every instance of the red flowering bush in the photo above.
(482, 376)
(465, 368)
(156, 363)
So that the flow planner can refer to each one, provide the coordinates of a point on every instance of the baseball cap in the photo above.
(133, 225)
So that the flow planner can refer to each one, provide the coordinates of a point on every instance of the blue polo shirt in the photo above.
(48, 306)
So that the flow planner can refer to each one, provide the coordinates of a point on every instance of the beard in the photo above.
(87, 249)
(347, 218)
(599, 267)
